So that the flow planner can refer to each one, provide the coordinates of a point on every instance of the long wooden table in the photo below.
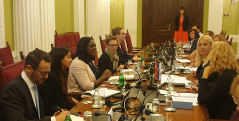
(197, 114)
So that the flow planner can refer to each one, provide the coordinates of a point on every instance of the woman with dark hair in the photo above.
(181, 26)
(193, 37)
(110, 59)
(54, 90)
(83, 73)
(120, 35)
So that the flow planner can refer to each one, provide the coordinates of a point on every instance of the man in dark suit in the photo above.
(20, 99)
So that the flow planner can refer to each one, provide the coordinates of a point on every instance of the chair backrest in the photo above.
(9, 72)
(6, 55)
(128, 41)
(103, 44)
(123, 43)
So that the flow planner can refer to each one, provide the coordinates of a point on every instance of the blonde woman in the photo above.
(235, 95)
(215, 83)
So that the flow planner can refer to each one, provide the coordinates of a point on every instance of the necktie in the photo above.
(37, 99)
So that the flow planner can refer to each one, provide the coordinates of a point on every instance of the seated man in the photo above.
(20, 100)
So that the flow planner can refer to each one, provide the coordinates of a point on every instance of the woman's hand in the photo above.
(120, 67)
(194, 89)
(206, 72)
(106, 74)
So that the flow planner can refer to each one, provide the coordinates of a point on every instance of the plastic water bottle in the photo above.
(68, 117)
(169, 102)
(121, 78)
(147, 51)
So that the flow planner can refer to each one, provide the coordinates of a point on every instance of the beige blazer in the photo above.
(80, 78)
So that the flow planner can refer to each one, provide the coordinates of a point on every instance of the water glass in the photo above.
(87, 116)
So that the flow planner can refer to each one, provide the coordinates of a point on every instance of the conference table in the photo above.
(198, 113)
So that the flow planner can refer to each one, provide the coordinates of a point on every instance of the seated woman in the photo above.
(234, 91)
(214, 85)
(193, 38)
(219, 37)
(203, 48)
(83, 73)
(54, 90)
(110, 59)
(215, 39)
(120, 35)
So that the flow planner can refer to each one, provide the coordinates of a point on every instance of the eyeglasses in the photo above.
(43, 73)
(113, 45)
(236, 101)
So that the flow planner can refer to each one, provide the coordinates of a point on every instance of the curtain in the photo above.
(2, 25)
(79, 17)
(130, 19)
(97, 20)
(34, 25)
(215, 16)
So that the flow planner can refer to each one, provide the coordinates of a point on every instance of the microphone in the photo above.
(140, 110)
(98, 114)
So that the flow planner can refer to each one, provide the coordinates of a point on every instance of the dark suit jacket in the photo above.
(193, 47)
(185, 23)
(16, 103)
(105, 63)
(123, 58)
(52, 95)
(214, 93)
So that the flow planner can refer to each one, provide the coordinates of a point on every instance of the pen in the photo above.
(58, 108)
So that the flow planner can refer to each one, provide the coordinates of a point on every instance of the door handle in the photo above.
(169, 27)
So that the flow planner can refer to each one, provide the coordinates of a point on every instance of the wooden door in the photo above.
(159, 18)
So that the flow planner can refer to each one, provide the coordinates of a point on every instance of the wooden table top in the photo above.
(197, 114)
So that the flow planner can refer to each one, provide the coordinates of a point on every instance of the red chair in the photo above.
(6, 55)
(9, 72)
(103, 43)
(129, 43)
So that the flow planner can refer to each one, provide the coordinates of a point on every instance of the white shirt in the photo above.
(201, 34)
(30, 85)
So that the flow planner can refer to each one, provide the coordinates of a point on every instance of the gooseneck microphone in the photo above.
(98, 114)
(140, 111)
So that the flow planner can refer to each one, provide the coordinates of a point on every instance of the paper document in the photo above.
(105, 93)
(183, 60)
(76, 118)
(127, 77)
(175, 79)
(126, 70)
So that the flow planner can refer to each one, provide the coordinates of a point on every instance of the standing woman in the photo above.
(181, 26)
(54, 90)
(214, 85)
(84, 74)
(120, 35)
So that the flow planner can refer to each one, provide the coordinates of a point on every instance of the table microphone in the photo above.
(98, 114)
(140, 110)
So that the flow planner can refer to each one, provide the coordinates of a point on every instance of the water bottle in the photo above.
(68, 117)
(121, 78)
(96, 99)
(147, 50)
(169, 103)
